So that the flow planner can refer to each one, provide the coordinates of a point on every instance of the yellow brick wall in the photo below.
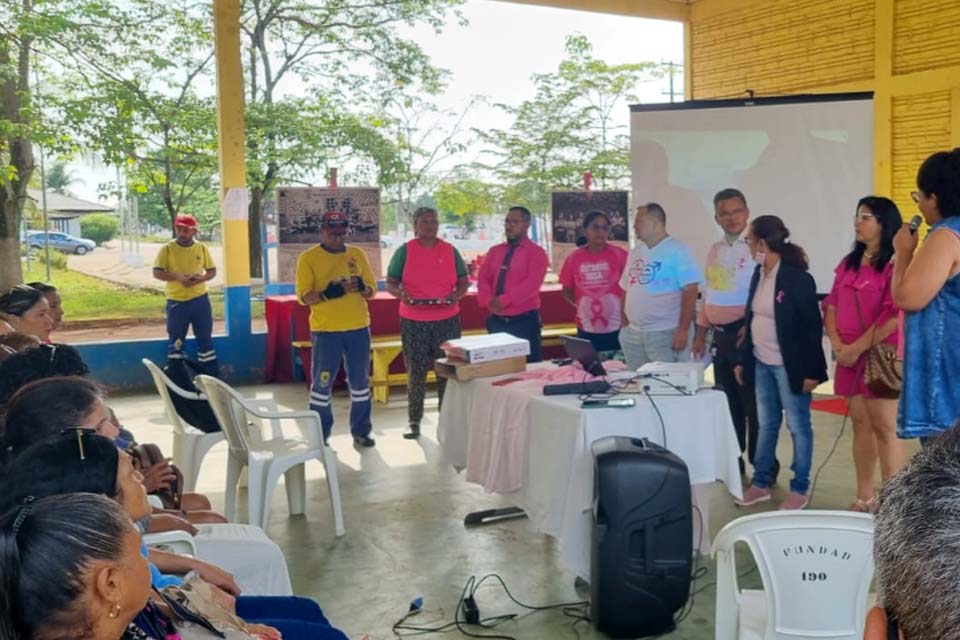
(906, 51)
(926, 35)
(921, 125)
(779, 47)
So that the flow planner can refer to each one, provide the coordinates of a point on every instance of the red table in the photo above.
(288, 320)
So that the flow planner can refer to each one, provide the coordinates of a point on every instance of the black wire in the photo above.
(836, 442)
(525, 606)
(663, 425)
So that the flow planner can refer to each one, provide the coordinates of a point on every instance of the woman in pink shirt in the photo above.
(589, 277)
(859, 313)
(429, 276)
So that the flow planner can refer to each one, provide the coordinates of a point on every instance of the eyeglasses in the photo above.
(915, 196)
(863, 217)
(600, 227)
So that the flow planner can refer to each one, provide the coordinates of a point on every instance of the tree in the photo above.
(466, 198)
(331, 49)
(59, 178)
(99, 227)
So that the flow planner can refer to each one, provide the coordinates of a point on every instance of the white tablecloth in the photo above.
(557, 469)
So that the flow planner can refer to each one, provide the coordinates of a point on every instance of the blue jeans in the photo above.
(196, 313)
(296, 618)
(329, 349)
(774, 399)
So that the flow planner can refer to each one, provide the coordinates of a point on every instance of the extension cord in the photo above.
(471, 613)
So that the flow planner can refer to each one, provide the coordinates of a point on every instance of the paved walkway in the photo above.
(110, 263)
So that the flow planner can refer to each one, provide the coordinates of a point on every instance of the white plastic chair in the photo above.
(815, 566)
(175, 541)
(267, 458)
(190, 444)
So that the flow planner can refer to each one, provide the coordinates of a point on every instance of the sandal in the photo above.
(861, 506)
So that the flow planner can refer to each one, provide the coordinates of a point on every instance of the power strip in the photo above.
(471, 613)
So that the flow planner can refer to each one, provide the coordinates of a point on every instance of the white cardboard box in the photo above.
(484, 348)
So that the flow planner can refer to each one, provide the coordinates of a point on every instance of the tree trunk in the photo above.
(15, 96)
(255, 211)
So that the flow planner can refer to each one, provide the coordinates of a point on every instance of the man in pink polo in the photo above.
(429, 276)
(509, 282)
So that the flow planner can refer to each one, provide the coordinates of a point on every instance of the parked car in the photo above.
(60, 241)
(386, 241)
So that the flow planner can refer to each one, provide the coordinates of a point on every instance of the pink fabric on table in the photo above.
(594, 278)
(873, 290)
(525, 274)
(499, 435)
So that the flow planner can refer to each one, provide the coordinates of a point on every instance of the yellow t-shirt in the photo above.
(176, 259)
(317, 268)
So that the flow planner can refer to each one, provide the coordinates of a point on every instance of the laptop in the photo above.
(583, 352)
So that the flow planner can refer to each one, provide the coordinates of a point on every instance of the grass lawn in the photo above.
(87, 298)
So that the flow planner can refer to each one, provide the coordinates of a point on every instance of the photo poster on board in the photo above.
(299, 214)
(568, 210)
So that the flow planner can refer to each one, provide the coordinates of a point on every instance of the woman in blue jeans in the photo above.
(781, 355)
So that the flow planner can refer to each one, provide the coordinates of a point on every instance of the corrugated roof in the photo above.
(58, 202)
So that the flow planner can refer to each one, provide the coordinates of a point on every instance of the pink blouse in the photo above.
(874, 292)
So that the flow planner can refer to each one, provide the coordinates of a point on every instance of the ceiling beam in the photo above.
(657, 9)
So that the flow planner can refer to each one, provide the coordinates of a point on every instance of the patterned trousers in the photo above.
(421, 347)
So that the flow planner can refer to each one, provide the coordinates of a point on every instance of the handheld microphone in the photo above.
(915, 223)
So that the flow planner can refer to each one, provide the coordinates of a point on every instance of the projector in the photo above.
(670, 377)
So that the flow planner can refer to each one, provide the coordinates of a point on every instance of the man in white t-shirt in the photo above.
(660, 286)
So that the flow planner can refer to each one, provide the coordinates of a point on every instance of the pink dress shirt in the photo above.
(521, 292)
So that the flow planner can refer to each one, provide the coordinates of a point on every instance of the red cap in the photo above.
(335, 218)
(187, 221)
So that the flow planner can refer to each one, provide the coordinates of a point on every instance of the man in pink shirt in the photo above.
(509, 282)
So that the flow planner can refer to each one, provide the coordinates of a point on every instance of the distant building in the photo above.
(64, 212)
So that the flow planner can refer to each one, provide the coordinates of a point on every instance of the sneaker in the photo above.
(364, 441)
(413, 433)
(794, 502)
(753, 495)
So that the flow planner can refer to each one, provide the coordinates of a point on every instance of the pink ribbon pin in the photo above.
(780, 296)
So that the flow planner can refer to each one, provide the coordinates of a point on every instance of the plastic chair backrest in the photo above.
(161, 382)
(816, 568)
(227, 405)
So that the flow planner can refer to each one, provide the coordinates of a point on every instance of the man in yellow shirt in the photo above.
(185, 265)
(335, 280)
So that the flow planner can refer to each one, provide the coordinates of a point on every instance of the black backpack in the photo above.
(194, 411)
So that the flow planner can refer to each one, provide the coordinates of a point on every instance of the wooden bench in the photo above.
(385, 349)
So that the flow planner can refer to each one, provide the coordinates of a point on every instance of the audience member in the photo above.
(660, 282)
(44, 361)
(26, 310)
(916, 550)
(429, 276)
(52, 295)
(926, 287)
(78, 460)
(728, 271)
(781, 355)
(509, 283)
(859, 314)
(335, 280)
(70, 566)
(590, 278)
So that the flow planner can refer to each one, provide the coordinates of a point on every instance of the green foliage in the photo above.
(99, 227)
(466, 198)
(59, 178)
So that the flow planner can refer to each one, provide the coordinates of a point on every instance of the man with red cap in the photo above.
(335, 279)
(185, 265)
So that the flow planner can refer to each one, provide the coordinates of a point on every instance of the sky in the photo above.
(499, 49)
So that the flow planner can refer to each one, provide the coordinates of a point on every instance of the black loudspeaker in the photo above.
(642, 542)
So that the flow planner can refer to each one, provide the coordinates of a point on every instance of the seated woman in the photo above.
(78, 460)
(27, 311)
(46, 407)
(52, 295)
(70, 563)
(45, 361)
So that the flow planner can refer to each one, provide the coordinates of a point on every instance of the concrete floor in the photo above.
(405, 535)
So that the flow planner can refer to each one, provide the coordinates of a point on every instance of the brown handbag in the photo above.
(883, 369)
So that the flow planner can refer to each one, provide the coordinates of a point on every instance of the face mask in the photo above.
(760, 257)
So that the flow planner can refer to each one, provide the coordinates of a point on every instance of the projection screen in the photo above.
(807, 159)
